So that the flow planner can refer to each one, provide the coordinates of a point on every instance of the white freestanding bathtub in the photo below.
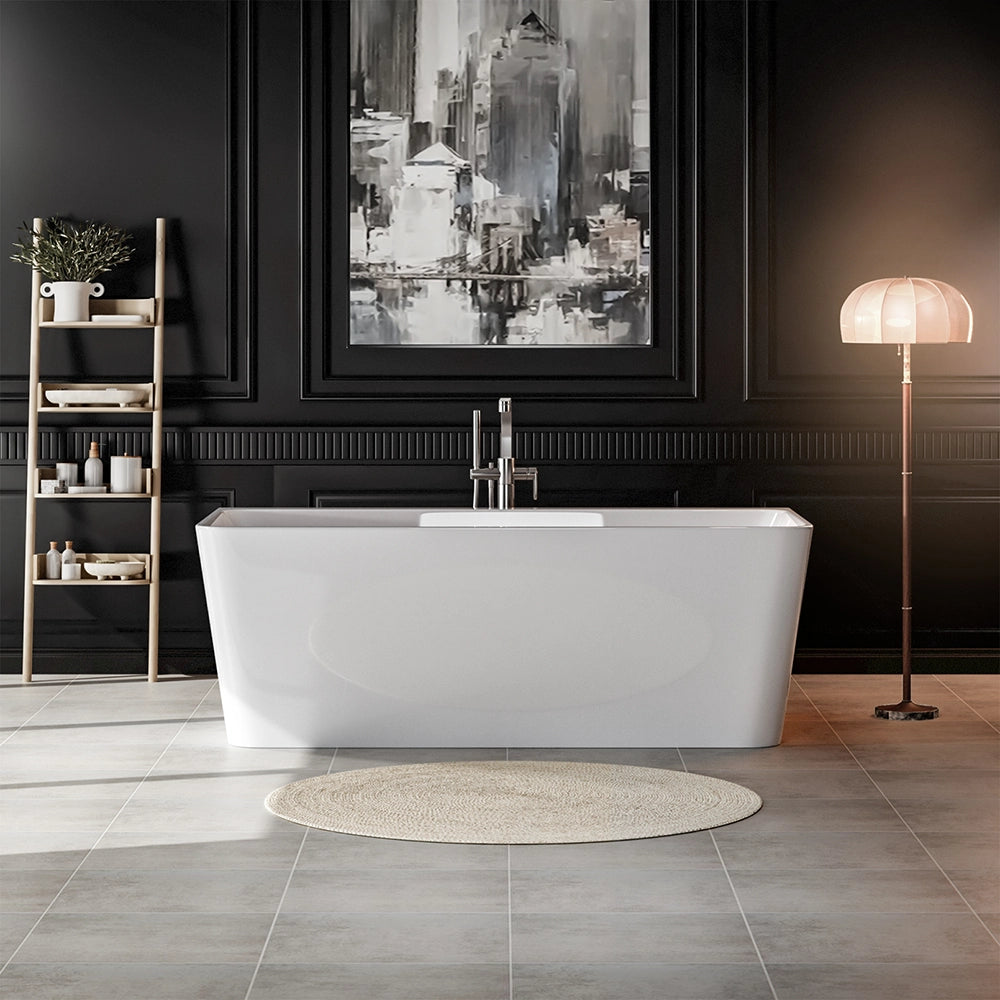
(526, 628)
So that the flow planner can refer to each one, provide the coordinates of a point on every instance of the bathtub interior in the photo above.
(408, 517)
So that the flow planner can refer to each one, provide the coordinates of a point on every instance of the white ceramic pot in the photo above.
(126, 474)
(72, 299)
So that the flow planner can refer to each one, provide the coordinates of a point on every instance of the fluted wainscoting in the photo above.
(845, 482)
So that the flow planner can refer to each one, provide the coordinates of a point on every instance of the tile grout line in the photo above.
(510, 917)
(281, 901)
(736, 897)
(41, 708)
(892, 806)
(992, 725)
(111, 823)
(510, 932)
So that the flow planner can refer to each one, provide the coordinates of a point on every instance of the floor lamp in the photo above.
(905, 311)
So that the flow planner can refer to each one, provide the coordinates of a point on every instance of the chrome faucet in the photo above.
(500, 479)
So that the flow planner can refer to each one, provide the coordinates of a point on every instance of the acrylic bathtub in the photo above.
(624, 627)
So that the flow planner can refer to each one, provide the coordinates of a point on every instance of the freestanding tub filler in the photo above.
(520, 628)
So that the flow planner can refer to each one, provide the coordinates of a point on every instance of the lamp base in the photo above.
(906, 710)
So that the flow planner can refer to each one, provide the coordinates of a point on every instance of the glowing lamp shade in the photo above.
(905, 311)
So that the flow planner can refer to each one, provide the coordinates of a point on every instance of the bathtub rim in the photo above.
(621, 518)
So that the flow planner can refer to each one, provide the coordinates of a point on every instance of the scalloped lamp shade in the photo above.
(905, 311)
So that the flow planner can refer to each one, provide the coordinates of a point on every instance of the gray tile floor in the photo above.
(140, 864)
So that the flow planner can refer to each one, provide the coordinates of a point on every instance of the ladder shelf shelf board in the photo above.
(51, 399)
(48, 475)
(88, 579)
(96, 397)
(107, 314)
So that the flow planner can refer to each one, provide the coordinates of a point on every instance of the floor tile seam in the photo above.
(945, 963)
(177, 870)
(839, 870)
(501, 964)
(284, 894)
(492, 915)
(101, 963)
(29, 780)
(376, 869)
(510, 925)
(824, 720)
(41, 788)
(899, 815)
(97, 841)
(642, 963)
(736, 898)
(403, 869)
(510, 912)
(883, 966)
(41, 708)
(972, 708)
(757, 870)
(654, 963)
(484, 915)
(855, 911)
(499, 913)
(613, 869)
(746, 923)
(533, 869)
(109, 913)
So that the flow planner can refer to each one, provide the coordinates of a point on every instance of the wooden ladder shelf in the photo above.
(104, 315)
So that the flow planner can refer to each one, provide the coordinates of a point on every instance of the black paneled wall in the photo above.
(801, 148)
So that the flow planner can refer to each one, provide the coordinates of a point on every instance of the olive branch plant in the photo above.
(68, 251)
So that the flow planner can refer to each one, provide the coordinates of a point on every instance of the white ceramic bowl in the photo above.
(95, 397)
(123, 570)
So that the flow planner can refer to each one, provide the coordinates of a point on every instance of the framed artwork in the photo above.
(493, 189)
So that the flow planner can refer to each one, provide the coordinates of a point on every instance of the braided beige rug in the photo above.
(513, 802)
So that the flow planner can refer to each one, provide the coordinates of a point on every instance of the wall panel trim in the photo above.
(638, 445)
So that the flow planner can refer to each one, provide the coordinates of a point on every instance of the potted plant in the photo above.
(70, 255)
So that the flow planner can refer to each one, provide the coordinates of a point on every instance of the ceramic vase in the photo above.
(72, 299)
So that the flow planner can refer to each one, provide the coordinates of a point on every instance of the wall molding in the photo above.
(237, 380)
(762, 378)
(234, 378)
(638, 445)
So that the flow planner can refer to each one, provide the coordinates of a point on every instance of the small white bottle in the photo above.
(70, 567)
(53, 562)
(93, 468)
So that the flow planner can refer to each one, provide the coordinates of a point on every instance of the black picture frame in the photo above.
(333, 368)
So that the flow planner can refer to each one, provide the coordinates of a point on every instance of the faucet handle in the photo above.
(491, 474)
(530, 472)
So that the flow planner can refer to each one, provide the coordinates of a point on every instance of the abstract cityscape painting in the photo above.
(499, 182)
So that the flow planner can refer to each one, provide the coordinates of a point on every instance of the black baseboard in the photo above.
(196, 662)
(879, 661)
(109, 661)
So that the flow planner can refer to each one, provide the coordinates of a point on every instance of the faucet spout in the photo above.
(506, 427)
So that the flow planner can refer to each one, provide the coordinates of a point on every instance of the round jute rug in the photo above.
(513, 802)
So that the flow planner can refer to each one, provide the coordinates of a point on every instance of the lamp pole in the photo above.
(906, 709)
